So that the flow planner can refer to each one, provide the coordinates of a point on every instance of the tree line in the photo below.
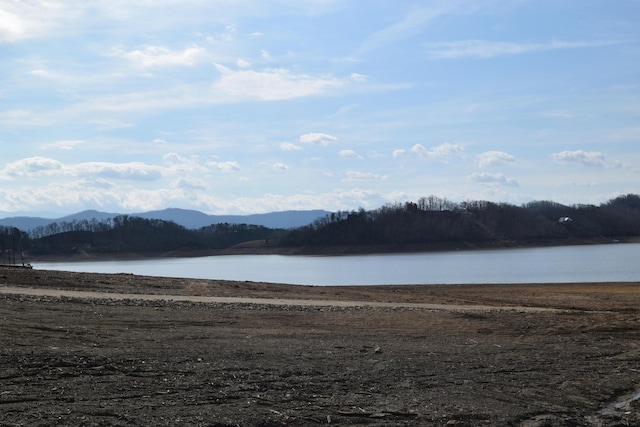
(126, 233)
(433, 220)
(426, 221)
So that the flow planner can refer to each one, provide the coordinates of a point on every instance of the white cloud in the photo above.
(64, 145)
(104, 107)
(358, 77)
(31, 166)
(494, 158)
(321, 139)
(129, 72)
(191, 183)
(136, 171)
(98, 183)
(12, 27)
(586, 158)
(490, 49)
(280, 166)
(363, 176)
(42, 73)
(30, 19)
(442, 152)
(175, 159)
(493, 179)
(224, 166)
(156, 56)
(349, 154)
(288, 146)
(273, 84)
(179, 164)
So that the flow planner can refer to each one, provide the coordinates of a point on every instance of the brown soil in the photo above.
(513, 355)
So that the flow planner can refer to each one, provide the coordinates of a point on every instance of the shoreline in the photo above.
(551, 295)
(327, 250)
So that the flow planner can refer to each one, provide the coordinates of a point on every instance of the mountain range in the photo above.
(187, 218)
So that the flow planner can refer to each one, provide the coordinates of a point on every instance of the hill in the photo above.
(187, 218)
(429, 224)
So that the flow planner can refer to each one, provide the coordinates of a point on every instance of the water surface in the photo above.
(589, 263)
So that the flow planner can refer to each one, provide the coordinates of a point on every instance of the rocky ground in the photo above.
(512, 355)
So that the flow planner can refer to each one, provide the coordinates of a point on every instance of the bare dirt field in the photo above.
(82, 349)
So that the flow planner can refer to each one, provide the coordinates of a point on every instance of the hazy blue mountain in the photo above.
(197, 219)
(187, 218)
(25, 223)
(86, 215)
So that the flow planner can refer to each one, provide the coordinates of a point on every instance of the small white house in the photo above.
(565, 220)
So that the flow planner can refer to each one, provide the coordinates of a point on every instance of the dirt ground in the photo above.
(484, 355)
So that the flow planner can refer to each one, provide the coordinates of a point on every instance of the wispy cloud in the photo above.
(594, 159)
(411, 24)
(175, 163)
(38, 167)
(349, 154)
(273, 84)
(31, 166)
(491, 49)
(156, 56)
(494, 158)
(364, 176)
(493, 179)
(96, 92)
(190, 183)
(321, 139)
(442, 152)
(242, 86)
(25, 20)
(289, 146)
(224, 166)
(136, 171)
(64, 145)
(34, 167)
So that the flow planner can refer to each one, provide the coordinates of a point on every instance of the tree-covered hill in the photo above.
(435, 220)
(429, 221)
(130, 234)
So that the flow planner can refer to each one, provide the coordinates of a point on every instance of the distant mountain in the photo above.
(86, 215)
(187, 218)
(197, 219)
(25, 223)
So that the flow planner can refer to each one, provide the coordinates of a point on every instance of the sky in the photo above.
(254, 106)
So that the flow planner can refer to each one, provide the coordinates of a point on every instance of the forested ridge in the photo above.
(436, 220)
(430, 220)
(126, 233)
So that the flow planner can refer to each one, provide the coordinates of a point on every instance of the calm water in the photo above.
(596, 263)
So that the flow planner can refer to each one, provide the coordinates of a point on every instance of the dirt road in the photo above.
(144, 351)
(62, 293)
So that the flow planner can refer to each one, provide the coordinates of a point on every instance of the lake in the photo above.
(565, 264)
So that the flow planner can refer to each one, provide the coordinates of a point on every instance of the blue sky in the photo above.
(250, 106)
